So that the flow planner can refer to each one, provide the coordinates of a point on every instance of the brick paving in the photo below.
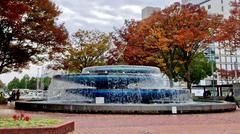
(214, 123)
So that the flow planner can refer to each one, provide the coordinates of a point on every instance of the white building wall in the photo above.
(218, 7)
(193, 1)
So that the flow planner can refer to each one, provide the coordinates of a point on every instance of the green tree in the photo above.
(24, 82)
(15, 83)
(46, 82)
(88, 48)
(199, 69)
(32, 84)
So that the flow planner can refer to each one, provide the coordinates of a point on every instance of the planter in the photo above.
(59, 129)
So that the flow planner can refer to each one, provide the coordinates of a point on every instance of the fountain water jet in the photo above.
(117, 84)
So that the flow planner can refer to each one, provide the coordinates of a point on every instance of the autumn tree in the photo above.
(88, 48)
(169, 38)
(28, 32)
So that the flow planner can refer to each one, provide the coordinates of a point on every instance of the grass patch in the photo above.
(10, 123)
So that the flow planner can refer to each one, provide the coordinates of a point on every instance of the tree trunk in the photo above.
(171, 82)
(189, 86)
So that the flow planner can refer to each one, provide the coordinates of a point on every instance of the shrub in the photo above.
(3, 100)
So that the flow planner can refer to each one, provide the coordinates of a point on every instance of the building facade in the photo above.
(192, 1)
(213, 6)
(225, 59)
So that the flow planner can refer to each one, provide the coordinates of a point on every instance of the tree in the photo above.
(88, 48)
(169, 39)
(15, 83)
(32, 84)
(28, 32)
(28, 83)
(46, 82)
(2, 85)
(24, 82)
(199, 69)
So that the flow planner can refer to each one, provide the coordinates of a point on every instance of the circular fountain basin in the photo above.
(119, 89)
(74, 107)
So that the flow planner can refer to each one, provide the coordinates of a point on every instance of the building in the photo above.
(192, 1)
(147, 11)
(213, 6)
(224, 59)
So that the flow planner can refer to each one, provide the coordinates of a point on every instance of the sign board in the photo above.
(174, 110)
(99, 100)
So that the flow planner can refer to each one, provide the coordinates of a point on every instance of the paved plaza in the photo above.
(214, 123)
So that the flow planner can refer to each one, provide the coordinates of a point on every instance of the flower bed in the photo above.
(24, 124)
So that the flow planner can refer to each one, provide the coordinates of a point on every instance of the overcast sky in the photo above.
(103, 15)
(100, 15)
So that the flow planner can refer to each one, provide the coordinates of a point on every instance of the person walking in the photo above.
(13, 95)
(230, 97)
(18, 94)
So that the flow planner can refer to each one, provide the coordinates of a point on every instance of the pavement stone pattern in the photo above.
(212, 123)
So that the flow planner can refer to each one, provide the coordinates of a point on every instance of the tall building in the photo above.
(224, 59)
(147, 11)
(192, 1)
(213, 6)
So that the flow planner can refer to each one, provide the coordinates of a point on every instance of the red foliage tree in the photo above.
(28, 32)
(169, 38)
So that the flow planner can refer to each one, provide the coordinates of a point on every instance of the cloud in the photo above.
(104, 8)
(102, 15)
(91, 20)
(132, 8)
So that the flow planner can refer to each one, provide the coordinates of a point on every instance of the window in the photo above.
(222, 1)
(222, 8)
(209, 6)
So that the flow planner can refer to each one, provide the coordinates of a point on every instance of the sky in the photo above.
(101, 15)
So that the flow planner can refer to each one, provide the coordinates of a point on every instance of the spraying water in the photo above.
(116, 84)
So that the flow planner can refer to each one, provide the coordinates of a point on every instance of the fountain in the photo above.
(119, 89)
